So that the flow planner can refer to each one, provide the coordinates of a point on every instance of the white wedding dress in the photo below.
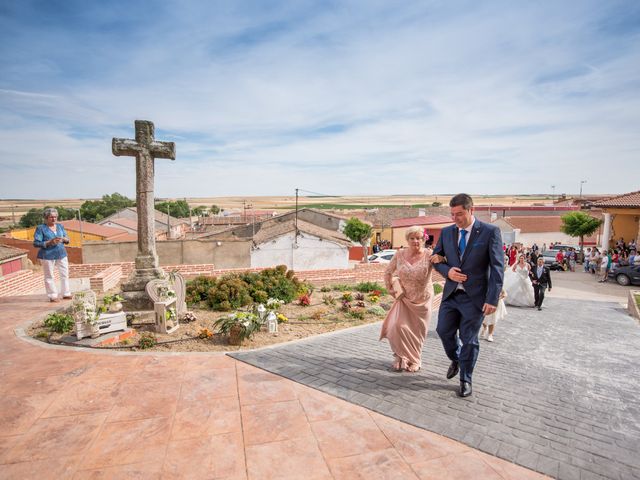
(518, 287)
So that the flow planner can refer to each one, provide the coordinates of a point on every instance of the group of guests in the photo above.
(381, 245)
(601, 263)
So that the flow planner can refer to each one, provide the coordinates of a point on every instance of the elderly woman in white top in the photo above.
(51, 237)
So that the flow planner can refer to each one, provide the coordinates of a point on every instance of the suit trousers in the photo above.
(459, 322)
(538, 293)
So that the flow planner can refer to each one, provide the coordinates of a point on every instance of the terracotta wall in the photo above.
(74, 253)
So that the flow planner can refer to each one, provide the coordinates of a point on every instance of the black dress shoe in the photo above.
(465, 389)
(454, 368)
(539, 308)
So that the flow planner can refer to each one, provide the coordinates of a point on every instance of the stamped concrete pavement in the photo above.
(78, 414)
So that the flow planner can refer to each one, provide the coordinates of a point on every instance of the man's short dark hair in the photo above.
(461, 199)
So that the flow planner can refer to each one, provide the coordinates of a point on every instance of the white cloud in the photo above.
(492, 98)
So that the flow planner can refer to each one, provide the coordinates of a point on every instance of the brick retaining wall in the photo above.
(104, 276)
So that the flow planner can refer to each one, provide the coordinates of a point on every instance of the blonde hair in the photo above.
(411, 230)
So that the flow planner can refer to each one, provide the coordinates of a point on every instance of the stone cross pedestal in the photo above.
(145, 148)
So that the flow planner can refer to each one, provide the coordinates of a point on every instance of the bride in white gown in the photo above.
(518, 285)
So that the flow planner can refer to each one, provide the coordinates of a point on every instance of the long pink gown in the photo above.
(408, 320)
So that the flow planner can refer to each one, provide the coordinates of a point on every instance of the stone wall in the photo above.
(224, 254)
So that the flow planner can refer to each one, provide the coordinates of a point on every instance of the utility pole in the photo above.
(168, 221)
(13, 213)
(296, 222)
(553, 194)
(80, 220)
(581, 183)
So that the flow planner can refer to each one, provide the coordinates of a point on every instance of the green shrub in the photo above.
(328, 300)
(325, 289)
(198, 289)
(347, 296)
(367, 287)
(235, 290)
(59, 322)
(147, 340)
(231, 292)
(357, 313)
(341, 287)
(437, 288)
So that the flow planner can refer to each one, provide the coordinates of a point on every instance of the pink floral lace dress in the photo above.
(406, 324)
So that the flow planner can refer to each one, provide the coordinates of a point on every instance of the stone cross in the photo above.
(145, 148)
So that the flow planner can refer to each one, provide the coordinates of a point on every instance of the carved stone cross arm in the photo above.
(144, 143)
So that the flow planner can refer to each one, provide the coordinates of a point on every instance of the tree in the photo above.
(359, 232)
(178, 209)
(199, 211)
(95, 210)
(579, 224)
(214, 210)
(34, 216)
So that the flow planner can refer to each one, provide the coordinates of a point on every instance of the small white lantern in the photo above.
(272, 323)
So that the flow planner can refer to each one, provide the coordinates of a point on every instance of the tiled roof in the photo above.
(7, 252)
(626, 200)
(94, 229)
(125, 222)
(274, 230)
(424, 220)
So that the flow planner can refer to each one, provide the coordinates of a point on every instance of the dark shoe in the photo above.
(539, 308)
(454, 368)
(67, 297)
(465, 389)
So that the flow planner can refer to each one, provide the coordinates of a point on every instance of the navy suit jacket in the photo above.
(482, 262)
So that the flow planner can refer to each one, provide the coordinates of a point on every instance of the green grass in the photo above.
(637, 297)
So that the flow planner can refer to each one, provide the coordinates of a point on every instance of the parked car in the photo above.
(383, 256)
(629, 275)
(550, 260)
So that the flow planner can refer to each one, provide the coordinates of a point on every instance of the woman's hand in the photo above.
(438, 259)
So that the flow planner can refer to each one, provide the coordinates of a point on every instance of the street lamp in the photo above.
(553, 193)
(581, 183)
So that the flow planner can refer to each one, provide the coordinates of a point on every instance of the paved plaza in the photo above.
(555, 393)
(68, 414)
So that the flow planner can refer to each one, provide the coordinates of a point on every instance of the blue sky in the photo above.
(336, 97)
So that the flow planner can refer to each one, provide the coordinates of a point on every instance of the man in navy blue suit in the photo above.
(474, 271)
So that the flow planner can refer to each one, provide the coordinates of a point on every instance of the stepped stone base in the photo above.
(133, 290)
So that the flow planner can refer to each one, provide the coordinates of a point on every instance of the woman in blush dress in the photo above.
(517, 285)
(408, 279)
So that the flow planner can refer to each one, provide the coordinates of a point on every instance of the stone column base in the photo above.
(133, 290)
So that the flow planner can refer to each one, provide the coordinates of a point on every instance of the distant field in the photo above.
(15, 208)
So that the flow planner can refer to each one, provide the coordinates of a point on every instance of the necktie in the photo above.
(463, 242)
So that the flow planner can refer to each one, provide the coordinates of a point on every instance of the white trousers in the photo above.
(49, 267)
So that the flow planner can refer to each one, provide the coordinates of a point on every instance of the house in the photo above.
(621, 218)
(490, 213)
(309, 240)
(127, 218)
(433, 225)
(12, 260)
(532, 229)
(80, 232)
